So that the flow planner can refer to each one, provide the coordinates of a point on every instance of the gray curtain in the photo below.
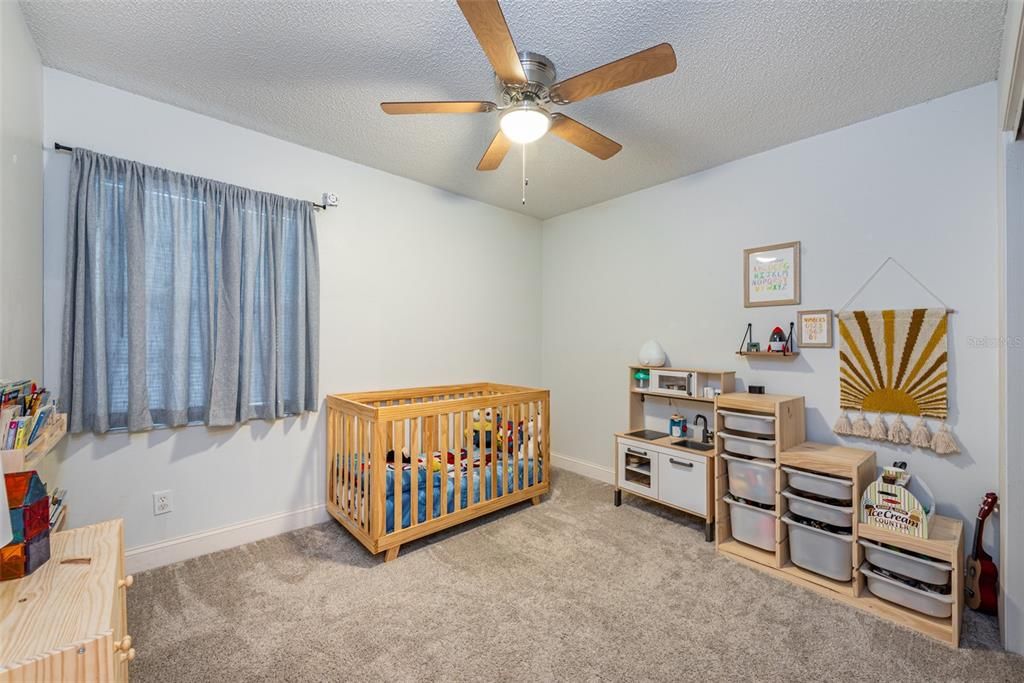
(187, 300)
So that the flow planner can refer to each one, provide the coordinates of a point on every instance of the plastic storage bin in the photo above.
(751, 479)
(745, 445)
(823, 512)
(929, 571)
(819, 484)
(752, 525)
(932, 604)
(746, 422)
(820, 551)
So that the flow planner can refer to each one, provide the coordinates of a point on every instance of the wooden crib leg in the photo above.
(535, 500)
(391, 553)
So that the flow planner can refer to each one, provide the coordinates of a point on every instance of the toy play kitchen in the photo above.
(667, 455)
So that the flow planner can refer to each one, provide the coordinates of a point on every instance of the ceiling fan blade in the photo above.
(644, 65)
(488, 23)
(495, 153)
(437, 107)
(587, 139)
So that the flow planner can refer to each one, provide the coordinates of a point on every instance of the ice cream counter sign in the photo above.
(893, 508)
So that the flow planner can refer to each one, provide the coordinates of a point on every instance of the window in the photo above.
(187, 300)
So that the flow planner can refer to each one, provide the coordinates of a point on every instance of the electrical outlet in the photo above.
(162, 502)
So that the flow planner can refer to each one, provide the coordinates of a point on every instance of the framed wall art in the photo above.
(814, 329)
(771, 275)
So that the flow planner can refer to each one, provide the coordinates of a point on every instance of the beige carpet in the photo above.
(572, 589)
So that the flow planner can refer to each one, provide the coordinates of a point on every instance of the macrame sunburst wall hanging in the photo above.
(895, 361)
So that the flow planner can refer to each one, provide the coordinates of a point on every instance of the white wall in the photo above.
(418, 287)
(1011, 506)
(1010, 186)
(666, 263)
(21, 199)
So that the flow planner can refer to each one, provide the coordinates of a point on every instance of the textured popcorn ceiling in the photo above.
(752, 76)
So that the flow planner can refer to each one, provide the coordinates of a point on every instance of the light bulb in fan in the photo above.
(525, 122)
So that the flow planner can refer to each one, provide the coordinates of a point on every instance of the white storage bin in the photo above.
(751, 479)
(929, 571)
(752, 525)
(819, 484)
(932, 604)
(822, 512)
(745, 445)
(747, 422)
(820, 551)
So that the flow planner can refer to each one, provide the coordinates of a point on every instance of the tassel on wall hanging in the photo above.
(899, 432)
(861, 427)
(842, 425)
(895, 361)
(880, 430)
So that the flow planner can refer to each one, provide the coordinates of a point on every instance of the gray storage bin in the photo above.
(745, 445)
(822, 512)
(819, 484)
(751, 479)
(752, 525)
(820, 551)
(929, 571)
(746, 422)
(932, 604)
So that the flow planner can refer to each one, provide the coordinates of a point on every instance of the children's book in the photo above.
(41, 418)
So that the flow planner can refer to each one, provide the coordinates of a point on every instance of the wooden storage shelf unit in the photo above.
(790, 430)
(945, 543)
(68, 620)
(854, 464)
(21, 459)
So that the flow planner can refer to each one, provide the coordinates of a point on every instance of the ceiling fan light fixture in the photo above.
(525, 122)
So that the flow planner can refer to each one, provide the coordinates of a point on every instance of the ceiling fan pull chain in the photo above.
(526, 181)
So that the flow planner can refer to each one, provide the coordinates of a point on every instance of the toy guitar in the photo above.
(982, 576)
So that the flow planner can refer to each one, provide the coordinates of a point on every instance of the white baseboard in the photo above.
(587, 469)
(173, 550)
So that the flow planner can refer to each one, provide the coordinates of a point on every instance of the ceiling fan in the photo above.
(527, 88)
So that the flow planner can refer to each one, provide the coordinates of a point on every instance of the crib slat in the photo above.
(444, 417)
(536, 436)
(363, 459)
(481, 437)
(546, 438)
(494, 453)
(429, 436)
(398, 441)
(342, 449)
(378, 477)
(517, 413)
(357, 450)
(457, 439)
(415, 429)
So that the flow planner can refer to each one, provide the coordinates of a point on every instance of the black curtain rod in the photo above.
(64, 148)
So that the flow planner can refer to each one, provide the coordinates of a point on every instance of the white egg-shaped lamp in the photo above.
(651, 354)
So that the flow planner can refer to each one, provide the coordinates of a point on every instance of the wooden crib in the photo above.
(462, 465)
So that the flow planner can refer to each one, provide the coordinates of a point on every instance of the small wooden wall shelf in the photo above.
(20, 459)
(769, 354)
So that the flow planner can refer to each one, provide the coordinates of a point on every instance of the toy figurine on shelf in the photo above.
(780, 342)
